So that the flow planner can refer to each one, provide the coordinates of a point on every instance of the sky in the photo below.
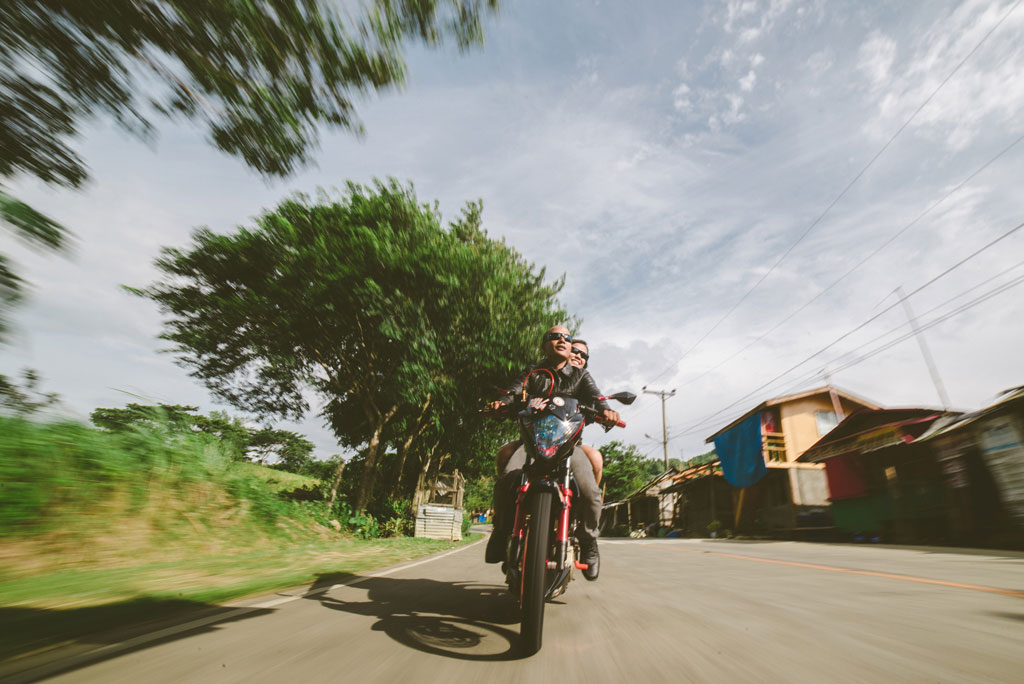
(730, 189)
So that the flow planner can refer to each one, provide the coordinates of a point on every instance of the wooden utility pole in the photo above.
(664, 428)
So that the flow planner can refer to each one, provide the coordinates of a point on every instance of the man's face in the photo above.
(556, 346)
(576, 359)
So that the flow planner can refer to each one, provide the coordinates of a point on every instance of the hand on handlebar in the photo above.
(608, 417)
(496, 405)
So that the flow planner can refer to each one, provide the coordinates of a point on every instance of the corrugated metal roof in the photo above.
(868, 430)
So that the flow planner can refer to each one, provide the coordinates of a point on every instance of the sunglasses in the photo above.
(551, 337)
(580, 353)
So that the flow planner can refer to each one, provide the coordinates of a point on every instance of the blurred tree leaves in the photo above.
(292, 451)
(26, 398)
(626, 470)
(262, 76)
(395, 324)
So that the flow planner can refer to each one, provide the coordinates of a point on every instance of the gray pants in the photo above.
(588, 508)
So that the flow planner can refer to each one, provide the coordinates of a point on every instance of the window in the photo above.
(826, 420)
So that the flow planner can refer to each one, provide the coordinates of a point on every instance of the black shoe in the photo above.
(496, 547)
(591, 558)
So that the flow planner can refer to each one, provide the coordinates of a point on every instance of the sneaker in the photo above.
(591, 558)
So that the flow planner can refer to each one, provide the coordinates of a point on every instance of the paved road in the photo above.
(663, 610)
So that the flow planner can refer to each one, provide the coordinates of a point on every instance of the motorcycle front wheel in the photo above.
(535, 565)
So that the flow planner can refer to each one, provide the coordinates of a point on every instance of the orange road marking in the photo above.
(850, 571)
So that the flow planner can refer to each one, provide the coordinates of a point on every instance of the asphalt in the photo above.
(663, 610)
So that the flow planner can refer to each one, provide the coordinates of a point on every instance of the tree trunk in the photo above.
(437, 472)
(403, 449)
(369, 477)
(421, 480)
(336, 483)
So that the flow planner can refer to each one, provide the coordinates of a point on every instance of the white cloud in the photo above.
(984, 96)
(747, 82)
(757, 60)
(681, 99)
(877, 55)
(750, 34)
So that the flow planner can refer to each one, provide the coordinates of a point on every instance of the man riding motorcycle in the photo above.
(569, 381)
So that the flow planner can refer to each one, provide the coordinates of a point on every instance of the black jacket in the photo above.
(569, 382)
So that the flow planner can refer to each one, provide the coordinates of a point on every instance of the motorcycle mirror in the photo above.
(626, 398)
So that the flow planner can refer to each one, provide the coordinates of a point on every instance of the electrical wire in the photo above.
(844, 191)
(870, 320)
(863, 261)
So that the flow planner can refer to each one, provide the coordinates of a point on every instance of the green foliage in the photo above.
(479, 492)
(395, 323)
(24, 399)
(708, 457)
(625, 470)
(235, 438)
(263, 78)
(467, 524)
(53, 473)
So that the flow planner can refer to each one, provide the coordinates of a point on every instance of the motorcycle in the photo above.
(542, 550)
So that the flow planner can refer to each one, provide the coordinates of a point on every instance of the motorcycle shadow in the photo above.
(460, 620)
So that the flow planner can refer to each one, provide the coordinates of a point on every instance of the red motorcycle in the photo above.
(542, 549)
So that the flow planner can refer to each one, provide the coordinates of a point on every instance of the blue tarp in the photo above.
(740, 452)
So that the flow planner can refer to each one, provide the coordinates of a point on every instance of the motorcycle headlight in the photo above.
(551, 432)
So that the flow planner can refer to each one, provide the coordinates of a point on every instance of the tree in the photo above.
(262, 77)
(25, 399)
(293, 452)
(142, 416)
(365, 302)
(625, 470)
(239, 441)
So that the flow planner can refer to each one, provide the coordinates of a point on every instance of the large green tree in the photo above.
(394, 323)
(626, 470)
(261, 76)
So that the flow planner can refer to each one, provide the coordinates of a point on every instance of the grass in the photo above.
(99, 530)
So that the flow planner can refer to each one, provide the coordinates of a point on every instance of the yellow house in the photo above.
(791, 494)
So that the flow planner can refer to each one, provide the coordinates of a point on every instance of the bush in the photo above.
(467, 523)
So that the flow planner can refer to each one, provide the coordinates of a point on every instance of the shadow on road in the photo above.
(461, 620)
(31, 636)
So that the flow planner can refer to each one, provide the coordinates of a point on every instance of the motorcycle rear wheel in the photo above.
(535, 559)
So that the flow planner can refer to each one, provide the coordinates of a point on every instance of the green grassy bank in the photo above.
(98, 530)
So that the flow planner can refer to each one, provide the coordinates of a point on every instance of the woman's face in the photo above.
(576, 359)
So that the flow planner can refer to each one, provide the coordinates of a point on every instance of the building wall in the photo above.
(799, 424)
(1001, 441)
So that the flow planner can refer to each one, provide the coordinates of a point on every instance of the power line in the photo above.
(859, 327)
(863, 261)
(845, 190)
(699, 427)
(941, 319)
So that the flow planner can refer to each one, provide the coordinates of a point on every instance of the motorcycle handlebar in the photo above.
(508, 411)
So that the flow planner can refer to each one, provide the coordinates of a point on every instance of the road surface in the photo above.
(663, 610)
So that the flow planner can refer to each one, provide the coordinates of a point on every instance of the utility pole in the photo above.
(664, 429)
(928, 360)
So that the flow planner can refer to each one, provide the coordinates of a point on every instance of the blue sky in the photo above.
(663, 156)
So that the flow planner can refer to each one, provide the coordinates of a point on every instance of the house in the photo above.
(644, 507)
(883, 481)
(759, 453)
(981, 457)
(703, 500)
